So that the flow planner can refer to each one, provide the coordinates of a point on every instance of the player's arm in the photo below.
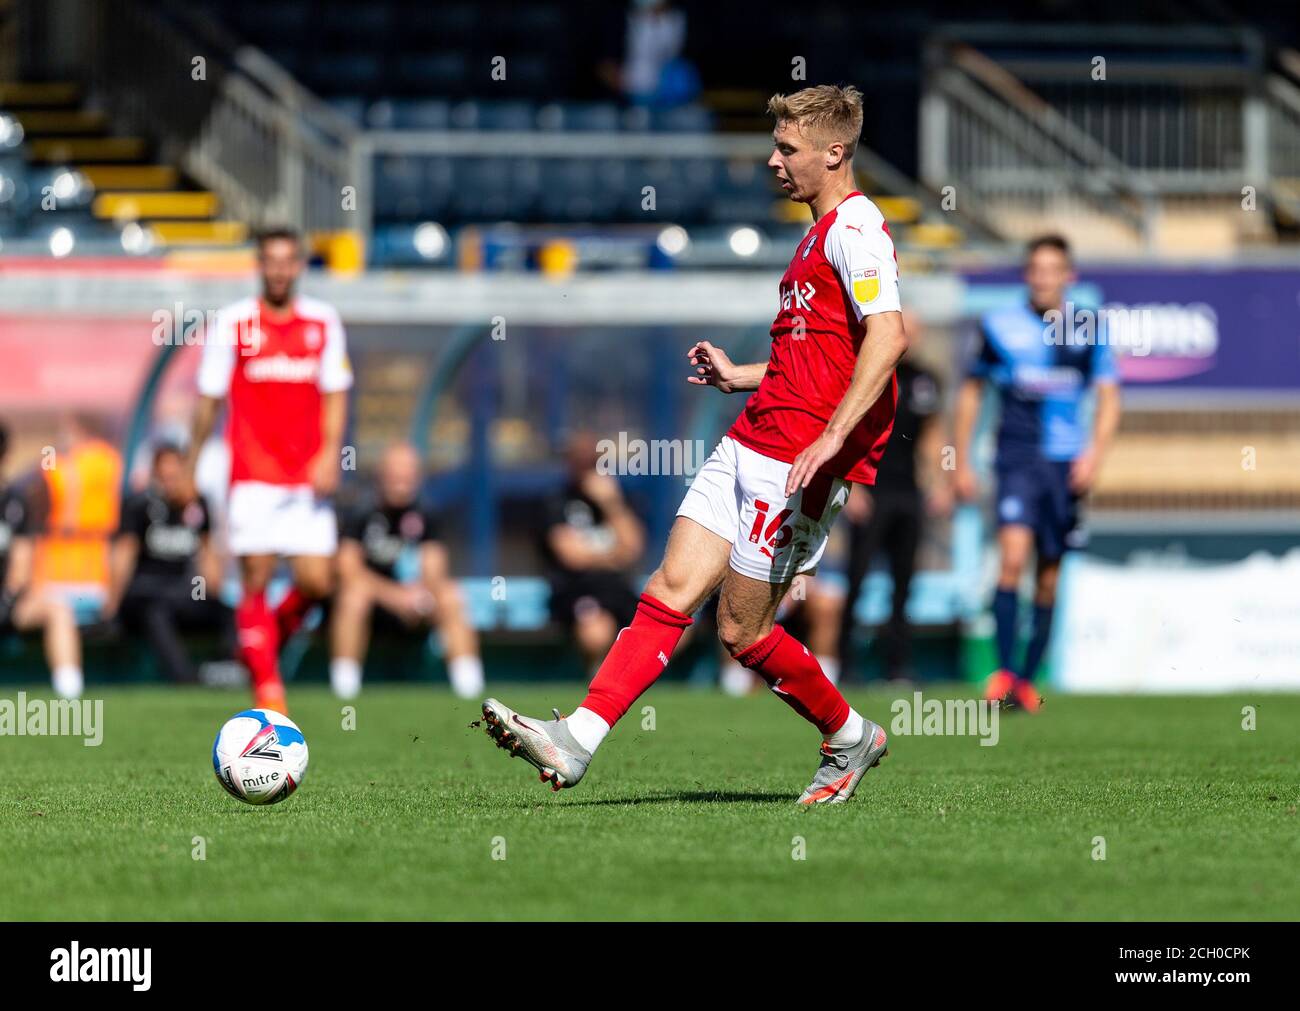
(714, 368)
(966, 413)
(930, 474)
(571, 548)
(208, 566)
(122, 556)
(22, 554)
(629, 534)
(884, 345)
(216, 368)
(334, 419)
(205, 419)
(1105, 423)
(864, 262)
(1105, 420)
(351, 562)
(335, 381)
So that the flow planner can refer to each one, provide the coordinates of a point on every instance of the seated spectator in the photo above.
(24, 609)
(372, 540)
(590, 541)
(164, 577)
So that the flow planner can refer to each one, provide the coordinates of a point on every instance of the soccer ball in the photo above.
(259, 756)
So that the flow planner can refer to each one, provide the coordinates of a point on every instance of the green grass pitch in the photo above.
(403, 817)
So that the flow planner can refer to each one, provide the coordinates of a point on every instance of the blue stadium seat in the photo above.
(351, 107)
(509, 115)
(432, 72)
(409, 114)
(683, 119)
(597, 117)
(348, 72)
(400, 193)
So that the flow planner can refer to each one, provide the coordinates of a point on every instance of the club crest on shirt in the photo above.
(809, 247)
(312, 335)
(866, 284)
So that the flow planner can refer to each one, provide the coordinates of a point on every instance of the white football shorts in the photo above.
(740, 495)
(279, 519)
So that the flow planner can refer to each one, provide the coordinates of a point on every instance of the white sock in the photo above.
(735, 679)
(466, 676)
(67, 681)
(849, 734)
(587, 728)
(345, 677)
(831, 668)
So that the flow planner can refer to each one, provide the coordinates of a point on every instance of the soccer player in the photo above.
(24, 610)
(1045, 461)
(760, 509)
(162, 545)
(374, 538)
(280, 360)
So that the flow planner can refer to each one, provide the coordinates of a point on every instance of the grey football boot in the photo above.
(842, 769)
(546, 745)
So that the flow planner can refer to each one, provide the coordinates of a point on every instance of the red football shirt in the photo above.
(843, 271)
(273, 372)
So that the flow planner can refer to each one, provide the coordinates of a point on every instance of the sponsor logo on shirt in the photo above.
(866, 285)
(800, 295)
(171, 543)
(282, 369)
(1047, 379)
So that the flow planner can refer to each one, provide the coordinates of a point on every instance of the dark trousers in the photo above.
(162, 612)
(893, 527)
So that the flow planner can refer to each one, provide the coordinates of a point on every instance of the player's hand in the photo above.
(415, 605)
(811, 460)
(965, 485)
(939, 501)
(325, 473)
(1083, 472)
(712, 367)
(860, 506)
(601, 489)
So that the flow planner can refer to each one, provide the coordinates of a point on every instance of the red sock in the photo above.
(290, 612)
(637, 658)
(794, 674)
(259, 643)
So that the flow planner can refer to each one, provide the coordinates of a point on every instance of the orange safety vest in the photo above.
(84, 486)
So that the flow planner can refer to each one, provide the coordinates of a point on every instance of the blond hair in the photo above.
(827, 113)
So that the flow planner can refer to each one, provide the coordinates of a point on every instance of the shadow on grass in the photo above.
(688, 797)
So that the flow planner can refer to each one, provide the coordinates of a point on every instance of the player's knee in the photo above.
(669, 585)
(1011, 568)
(1045, 590)
(353, 600)
(736, 634)
(315, 584)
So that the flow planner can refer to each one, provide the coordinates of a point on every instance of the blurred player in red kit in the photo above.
(759, 511)
(280, 361)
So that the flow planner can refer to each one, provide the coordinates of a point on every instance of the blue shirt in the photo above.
(1043, 381)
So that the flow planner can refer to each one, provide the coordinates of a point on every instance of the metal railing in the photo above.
(985, 134)
(228, 114)
(1202, 118)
